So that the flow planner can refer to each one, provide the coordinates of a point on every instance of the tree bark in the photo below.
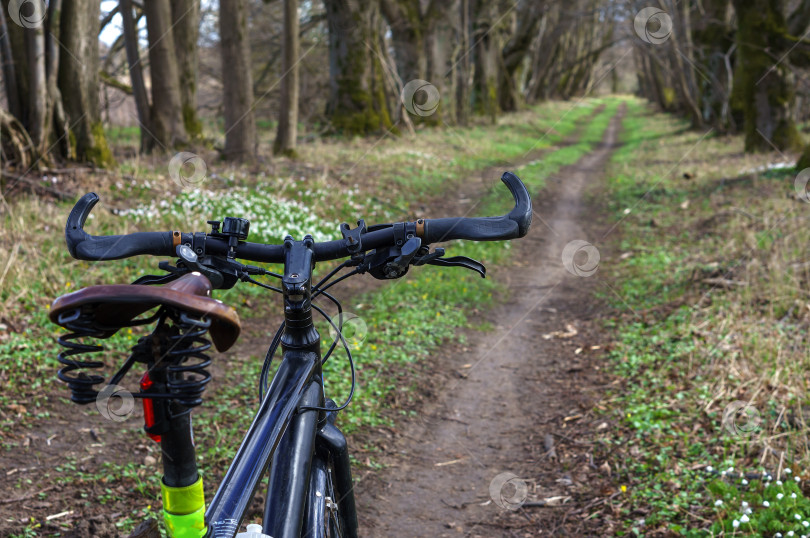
(763, 86)
(544, 51)
(529, 13)
(9, 72)
(237, 83)
(288, 105)
(186, 21)
(684, 71)
(56, 110)
(22, 66)
(462, 66)
(78, 80)
(407, 24)
(804, 160)
(486, 52)
(357, 102)
(166, 118)
(37, 117)
(711, 35)
(136, 75)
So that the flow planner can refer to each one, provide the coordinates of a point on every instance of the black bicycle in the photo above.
(294, 432)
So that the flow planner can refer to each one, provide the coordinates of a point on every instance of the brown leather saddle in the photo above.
(117, 305)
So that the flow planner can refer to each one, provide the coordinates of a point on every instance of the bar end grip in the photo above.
(74, 229)
(521, 214)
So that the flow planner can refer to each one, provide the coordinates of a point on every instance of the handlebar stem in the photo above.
(299, 332)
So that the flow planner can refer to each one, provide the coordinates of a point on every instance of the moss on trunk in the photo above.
(804, 160)
(766, 91)
(96, 149)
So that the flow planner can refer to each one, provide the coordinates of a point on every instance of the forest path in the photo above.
(514, 390)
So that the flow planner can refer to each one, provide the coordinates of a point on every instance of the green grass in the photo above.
(685, 349)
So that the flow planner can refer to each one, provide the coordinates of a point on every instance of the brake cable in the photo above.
(317, 290)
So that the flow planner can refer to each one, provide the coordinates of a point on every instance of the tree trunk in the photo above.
(485, 60)
(186, 21)
(711, 37)
(9, 73)
(529, 13)
(37, 117)
(288, 105)
(543, 53)
(462, 66)
(166, 119)
(407, 23)
(237, 82)
(357, 103)
(684, 71)
(136, 75)
(22, 67)
(804, 160)
(763, 86)
(78, 80)
(56, 111)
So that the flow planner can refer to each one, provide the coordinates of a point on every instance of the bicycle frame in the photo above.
(280, 437)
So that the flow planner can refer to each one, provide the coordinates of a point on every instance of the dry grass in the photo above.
(714, 276)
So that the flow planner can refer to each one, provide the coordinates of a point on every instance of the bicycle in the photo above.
(293, 434)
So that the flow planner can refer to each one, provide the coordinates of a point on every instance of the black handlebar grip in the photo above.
(74, 229)
(84, 246)
(513, 225)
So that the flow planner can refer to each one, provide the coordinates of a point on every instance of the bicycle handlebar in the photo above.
(84, 246)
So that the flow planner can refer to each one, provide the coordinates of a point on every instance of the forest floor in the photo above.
(511, 423)
(535, 402)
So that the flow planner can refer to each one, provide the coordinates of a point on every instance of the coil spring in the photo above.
(187, 374)
(80, 384)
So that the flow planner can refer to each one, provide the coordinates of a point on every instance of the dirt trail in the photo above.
(512, 390)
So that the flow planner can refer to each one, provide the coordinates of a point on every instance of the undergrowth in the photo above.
(711, 279)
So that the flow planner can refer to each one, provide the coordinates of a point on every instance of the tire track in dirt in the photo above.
(511, 389)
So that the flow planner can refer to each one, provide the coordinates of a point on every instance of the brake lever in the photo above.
(427, 257)
(460, 261)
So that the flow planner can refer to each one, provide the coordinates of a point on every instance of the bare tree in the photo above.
(237, 82)
(56, 109)
(357, 99)
(528, 14)
(9, 72)
(37, 113)
(763, 83)
(410, 22)
(166, 119)
(462, 65)
(78, 80)
(186, 25)
(288, 106)
(136, 74)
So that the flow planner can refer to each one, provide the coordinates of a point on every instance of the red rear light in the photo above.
(148, 408)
